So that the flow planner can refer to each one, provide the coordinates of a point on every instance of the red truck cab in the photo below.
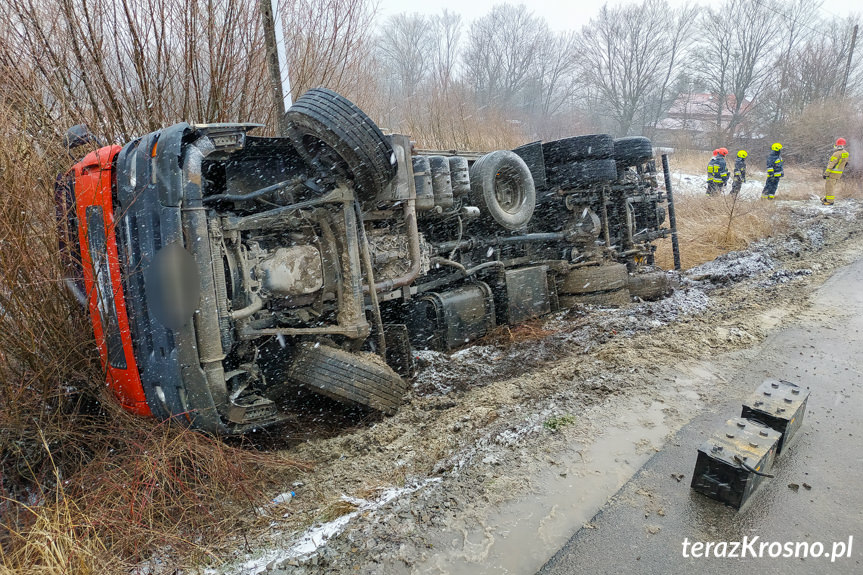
(93, 181)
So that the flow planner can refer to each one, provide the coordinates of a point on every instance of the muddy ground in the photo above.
(447, 485)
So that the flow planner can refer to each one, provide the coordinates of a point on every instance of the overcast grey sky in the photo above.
(560, 14)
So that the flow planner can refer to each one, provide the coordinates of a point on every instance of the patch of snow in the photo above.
(315, 537)
(695, 185)
(733, 267)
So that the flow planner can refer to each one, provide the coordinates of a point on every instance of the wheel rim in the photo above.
(509, 194)
(323, 157)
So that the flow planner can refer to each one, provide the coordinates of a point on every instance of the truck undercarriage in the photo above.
(224, 270)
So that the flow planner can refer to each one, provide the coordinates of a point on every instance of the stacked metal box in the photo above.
(780, 405)
(736, 459)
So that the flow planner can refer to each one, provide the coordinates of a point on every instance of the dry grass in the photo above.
(336, 509)
(149, 490)
(708, 227)
(504, 335)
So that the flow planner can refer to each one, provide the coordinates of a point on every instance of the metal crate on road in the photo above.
(734, 461)
(779, 405)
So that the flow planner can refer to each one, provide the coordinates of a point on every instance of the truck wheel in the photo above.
(501, 186)
(649, 286)
(594, 279)
(616, 298)
(334, 136)
(633, 150)
(348, 377)
(582, 174)
(578, 148)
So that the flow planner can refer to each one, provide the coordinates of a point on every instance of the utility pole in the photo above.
(848, 63)
(274, 42)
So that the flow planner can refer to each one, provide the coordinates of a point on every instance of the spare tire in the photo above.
(533, 157)
(578, 148)
(594, 279)
(335, 137)
(581, 174)
(650, 286)
(633, 150)
(348, 377)
(501, 186)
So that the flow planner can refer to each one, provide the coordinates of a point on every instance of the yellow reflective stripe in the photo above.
(834, 171)
(780, 160)
(845, 154)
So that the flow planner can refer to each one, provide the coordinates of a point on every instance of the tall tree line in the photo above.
(130, 66)
(768, 65)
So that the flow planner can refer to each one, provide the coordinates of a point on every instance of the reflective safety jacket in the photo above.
(717, 170)
(774, 164)
(836, 163)
(740, 169)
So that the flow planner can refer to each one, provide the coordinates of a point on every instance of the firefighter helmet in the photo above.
(742, 154)
(723, 151)
(776, 147)
(716, 151)
(840, 142)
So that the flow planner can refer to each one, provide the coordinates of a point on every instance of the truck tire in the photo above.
(594, 279)
(501, 186)
(616, 298)
(579, 148)
(582, 174)
(532, 156)
(334, 136)
(632, 151)
(348, 377)
(649, 286)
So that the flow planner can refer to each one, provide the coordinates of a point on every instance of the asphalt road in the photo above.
(643, 528)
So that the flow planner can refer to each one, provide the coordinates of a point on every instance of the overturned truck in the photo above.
(222, 270)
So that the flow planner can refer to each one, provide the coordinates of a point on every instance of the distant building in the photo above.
(691, 122)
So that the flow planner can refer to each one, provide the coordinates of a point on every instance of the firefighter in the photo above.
(713, 180)
(835, 165)
(774, 172)
(723, 168)
(739, 172)
(717, 172)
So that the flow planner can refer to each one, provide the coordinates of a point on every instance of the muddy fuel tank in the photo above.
(446, 320)
(732, 463)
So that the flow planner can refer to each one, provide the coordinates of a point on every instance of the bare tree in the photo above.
(329, 43)
(406, 49)
(555, 73)
(682, 27)
(625, 51)
(447, 35)
(735, 58)
(796, 15)
(818, 68)
(500, 58)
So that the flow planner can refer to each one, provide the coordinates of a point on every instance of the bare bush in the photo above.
(329, 43)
